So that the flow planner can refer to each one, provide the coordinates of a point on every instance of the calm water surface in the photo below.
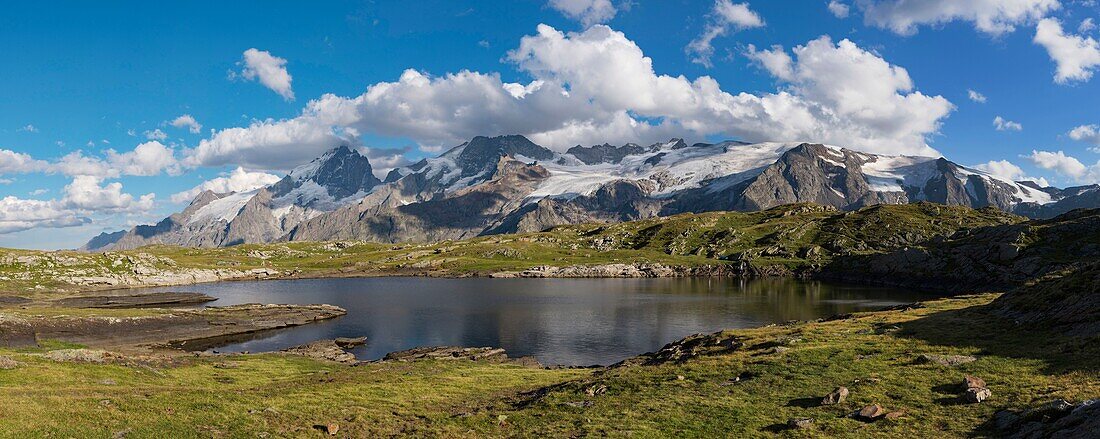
(558, 321)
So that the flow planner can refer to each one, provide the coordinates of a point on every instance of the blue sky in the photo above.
(87, 77)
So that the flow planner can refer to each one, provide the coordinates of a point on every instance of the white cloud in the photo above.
(775, 60)
(993, 17)
(86, 194)
(1087, 133)
(76, 163)
(1063, 164)
(147, 159)
(187, 121)
(12, 162)
(270, 70)
(156, 134)
(598, 86)
(270, 144)
(725, 16)
(238, 180)
(1003, 124)
(588, 12)
(975, 96)
(28, 128)
(1076, 57)
(838, 9)
(18, 214)
(1007, 170)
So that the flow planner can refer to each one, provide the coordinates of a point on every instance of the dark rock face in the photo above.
(342, 172)
(607, 153)
(481, 154)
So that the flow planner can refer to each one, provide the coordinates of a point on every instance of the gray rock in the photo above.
(835, 397)
(800, 423)
(977, 394)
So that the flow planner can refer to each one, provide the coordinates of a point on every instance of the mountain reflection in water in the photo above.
(558, 321)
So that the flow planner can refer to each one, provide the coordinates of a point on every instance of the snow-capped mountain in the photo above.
(338, 177)
(510, 184)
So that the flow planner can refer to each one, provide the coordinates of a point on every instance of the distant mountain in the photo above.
(504, 184)
(338, 177)
(102, 241)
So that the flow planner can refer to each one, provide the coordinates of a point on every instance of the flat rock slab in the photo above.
(189, 329)
(135, 300)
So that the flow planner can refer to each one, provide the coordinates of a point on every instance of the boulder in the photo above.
(800, 423)
(970, 382)
(835, 397)
(977, 394)
(871, 413)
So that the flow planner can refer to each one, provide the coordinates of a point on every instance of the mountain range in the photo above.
(493, 185)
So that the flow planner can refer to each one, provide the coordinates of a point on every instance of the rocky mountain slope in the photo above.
(509, 184)
(339, 177)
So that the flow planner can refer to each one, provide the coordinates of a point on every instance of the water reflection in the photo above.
(559, 321)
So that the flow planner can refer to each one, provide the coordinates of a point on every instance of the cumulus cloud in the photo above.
(1087, 133)
(1087, 25)
(270, 144)
(993, 17)
(147, 159)
(588, 12)
(86, 193)
(1003, 124)
(975, 96)
(1007, 170)
(724, 17)
(18, 214)
(1064, 165)
(839, 9)
(187, 121)
(270, 70)
(1076, 57)
(239, 180)
(12, 162)
(598, 86)
(84, 196)
(28, 128)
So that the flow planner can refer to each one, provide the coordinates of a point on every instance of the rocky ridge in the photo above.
(509, 184)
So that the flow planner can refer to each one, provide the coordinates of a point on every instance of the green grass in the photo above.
(873, 354)
(795, 238)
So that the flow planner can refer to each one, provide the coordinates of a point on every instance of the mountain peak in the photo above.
(341, 171)
(482, 153)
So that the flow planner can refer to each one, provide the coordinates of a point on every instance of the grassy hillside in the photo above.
(771, 375)
(795, 238)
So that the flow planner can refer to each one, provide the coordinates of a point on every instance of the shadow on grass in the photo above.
(978, 327)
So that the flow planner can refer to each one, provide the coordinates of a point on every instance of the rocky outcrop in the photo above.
(181, 328)
(135, 300)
